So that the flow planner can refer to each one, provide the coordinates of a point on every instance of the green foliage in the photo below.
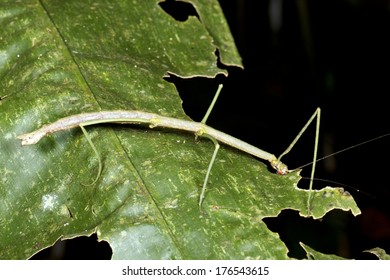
(380, 253)
(314, 255)
(59, 58)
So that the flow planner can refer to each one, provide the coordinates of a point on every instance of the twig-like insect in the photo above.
(199, 128)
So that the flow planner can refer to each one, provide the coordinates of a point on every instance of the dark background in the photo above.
(300, 55)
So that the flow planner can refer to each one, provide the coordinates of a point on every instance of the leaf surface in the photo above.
(380, 253)
(59, 58)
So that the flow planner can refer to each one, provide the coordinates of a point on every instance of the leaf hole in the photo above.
(329, 235)
(179, 10)
(79, 248)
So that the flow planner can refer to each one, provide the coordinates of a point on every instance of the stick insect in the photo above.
(199, 128)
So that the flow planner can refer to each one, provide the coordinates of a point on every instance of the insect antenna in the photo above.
(343, 150)
(335, 183)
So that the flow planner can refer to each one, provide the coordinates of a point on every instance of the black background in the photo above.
(331, 54)
(300, 55)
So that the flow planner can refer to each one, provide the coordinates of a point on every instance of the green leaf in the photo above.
(314, 255)
(59, 58)
(380, 253)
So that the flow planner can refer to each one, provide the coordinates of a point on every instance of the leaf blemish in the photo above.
(49, 201)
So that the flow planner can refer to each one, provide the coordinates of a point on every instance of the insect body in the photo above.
(154, 120)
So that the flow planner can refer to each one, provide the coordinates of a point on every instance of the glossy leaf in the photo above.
(59, 58)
